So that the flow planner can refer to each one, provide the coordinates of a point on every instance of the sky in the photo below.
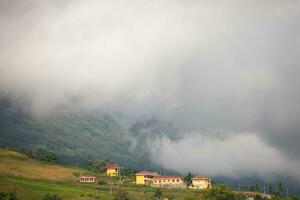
(226, 73)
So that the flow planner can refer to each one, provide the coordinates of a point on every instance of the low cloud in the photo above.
(229, 66)
(236, 156)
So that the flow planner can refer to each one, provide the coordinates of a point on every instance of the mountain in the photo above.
(75, 137)
(78, 137)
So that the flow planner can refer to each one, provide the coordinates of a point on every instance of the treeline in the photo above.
(39, 154)
(99, 166)
(278, 190)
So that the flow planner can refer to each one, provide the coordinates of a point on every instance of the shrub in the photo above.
(12, 196)
(3, 196)
(158, 194)
(122, 195)
(220, 192)
(51, 197)
(102, 182)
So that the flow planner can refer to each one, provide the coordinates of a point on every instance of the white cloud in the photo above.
(233, 156)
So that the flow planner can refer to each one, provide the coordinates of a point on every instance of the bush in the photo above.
(102, 182)
(122, 195)
(12, 196)
(220, 192)
(3, 196)
(158, 194)
(51, 197)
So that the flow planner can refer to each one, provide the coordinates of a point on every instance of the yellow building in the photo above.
(112, 169)
(145, 177)
(200, 182)
(168, 182)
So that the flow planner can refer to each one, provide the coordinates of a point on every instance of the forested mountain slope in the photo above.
(75, 137)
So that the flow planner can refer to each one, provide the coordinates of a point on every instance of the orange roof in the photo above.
(168, 177)
(147, 173)
(200, 178)
(111, 166)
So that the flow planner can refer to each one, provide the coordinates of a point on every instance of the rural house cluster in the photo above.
(154, 179)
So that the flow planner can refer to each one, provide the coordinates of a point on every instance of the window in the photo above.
(177, 180)
(173, 180)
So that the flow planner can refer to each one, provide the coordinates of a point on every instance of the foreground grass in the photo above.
(36, 189)
(28, 189)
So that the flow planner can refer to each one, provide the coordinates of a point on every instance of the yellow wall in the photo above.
(139, 179)
(112, 172)
(201, 184)
(167, 182)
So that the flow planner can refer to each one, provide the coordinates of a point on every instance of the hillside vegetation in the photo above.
(75, 137)
(16, 164)
(32, 179)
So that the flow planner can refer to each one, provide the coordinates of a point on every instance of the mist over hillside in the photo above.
(210, 87)
(79, 137)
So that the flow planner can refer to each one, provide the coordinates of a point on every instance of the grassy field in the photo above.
(29, 189)
(17, 164)
(32, 179)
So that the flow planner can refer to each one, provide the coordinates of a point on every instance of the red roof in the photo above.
(200, 178)
(111, 166)
(168, 177)
(147, 173)
(87, 176)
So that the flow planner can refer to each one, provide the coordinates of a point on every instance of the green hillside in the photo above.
(75, 137)
(32, 180)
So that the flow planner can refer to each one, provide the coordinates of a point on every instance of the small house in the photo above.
(87, 179)
(145, 177)
(200, 182)
(112, 169)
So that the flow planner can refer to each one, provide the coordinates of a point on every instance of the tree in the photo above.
(49, 156)
(270, 189)
(158, 194)
(220, 192)
(256, 188)
(101, 166)
(122, 195)
(278, 191)
(188, 179)
(280, 188)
